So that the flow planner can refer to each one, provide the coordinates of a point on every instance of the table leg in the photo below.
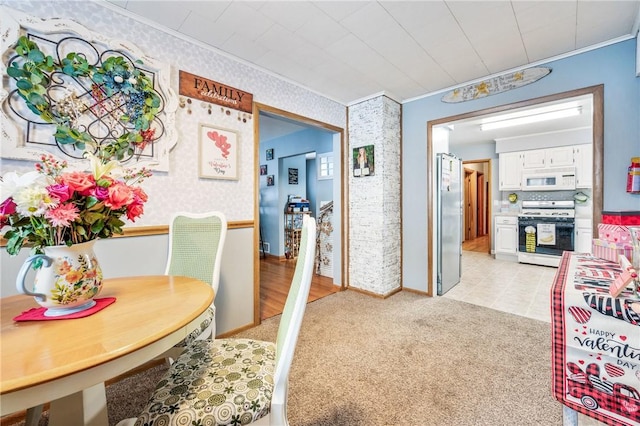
(569, 416)
(88, 408)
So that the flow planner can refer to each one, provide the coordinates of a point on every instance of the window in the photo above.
(325, 165)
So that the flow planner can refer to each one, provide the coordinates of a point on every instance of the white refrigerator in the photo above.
(449, 199)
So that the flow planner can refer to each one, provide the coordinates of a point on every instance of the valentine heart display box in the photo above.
(609, 250)
(618, 234)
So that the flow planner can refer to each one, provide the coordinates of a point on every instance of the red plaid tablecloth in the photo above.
(595, 341)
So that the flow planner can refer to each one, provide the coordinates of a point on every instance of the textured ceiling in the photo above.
(350, 50)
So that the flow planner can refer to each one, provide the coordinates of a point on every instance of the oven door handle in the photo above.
(535, 222)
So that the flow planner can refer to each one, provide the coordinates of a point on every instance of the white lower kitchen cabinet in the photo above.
(583, 235)
(506, 238)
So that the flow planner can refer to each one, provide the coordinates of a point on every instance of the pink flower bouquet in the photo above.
(56, 206)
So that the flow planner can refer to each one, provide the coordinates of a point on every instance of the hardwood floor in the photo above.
(275, 280)
(479, 244)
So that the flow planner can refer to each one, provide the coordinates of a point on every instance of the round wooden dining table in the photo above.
(66, 361)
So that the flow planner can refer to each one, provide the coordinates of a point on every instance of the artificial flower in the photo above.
(60, 191)
(63, 215)
(12, 182)
(99, 168)
(134, 211)
(33, 200)
(55, 206)
(7, 208)
(78, 181)
(120, 195)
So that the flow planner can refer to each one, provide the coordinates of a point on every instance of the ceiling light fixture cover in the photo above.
(533, 118)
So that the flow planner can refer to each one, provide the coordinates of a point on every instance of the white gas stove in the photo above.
(548, 208)
(545, 231)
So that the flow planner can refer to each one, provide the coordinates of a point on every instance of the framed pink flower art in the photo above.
(218, 153)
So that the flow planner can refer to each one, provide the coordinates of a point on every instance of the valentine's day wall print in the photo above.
(218, 153)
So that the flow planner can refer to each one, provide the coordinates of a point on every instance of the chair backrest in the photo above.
(291, 319)
(196, 241)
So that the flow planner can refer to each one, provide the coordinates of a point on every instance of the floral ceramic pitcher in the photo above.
(68, 280)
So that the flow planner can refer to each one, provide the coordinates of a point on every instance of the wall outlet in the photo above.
(266, 247)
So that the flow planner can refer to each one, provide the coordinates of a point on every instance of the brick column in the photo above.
(374, 201)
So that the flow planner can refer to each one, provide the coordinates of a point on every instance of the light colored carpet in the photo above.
(405, 360)
(413, 360)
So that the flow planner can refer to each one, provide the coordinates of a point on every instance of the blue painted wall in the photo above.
(613, 66)
(273, 198)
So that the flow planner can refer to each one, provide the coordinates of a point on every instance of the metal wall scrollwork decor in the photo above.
(65, 88)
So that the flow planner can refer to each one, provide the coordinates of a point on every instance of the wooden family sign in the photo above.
(206, 90)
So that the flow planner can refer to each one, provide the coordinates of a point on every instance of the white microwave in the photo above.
(556, 179)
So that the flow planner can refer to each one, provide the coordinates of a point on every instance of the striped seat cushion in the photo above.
(214, 382)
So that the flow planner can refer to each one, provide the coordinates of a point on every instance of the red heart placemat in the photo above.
(37, 314)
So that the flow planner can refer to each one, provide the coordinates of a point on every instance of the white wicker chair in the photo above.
(196, 243)
(236, 381)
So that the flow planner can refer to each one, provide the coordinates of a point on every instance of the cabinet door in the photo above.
(534, 159)
(506, 237)
(559, 157)
(549, 157)
(509, 170)
(583, 155)
(583, 236)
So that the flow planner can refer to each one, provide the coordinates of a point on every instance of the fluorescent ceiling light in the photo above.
(533, 117)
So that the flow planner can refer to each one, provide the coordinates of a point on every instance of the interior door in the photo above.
(480, 207)
(471, 203)
(479, 201)
(466, 210)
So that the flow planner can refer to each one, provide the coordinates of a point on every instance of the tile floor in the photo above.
(512, 287)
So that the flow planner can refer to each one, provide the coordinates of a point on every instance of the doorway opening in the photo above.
(292, 151)
(594, 93)
(477, 205)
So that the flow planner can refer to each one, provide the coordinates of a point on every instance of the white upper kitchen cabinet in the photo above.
(561, 156)
(509, 170)
(533, 159)
(583, 158)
